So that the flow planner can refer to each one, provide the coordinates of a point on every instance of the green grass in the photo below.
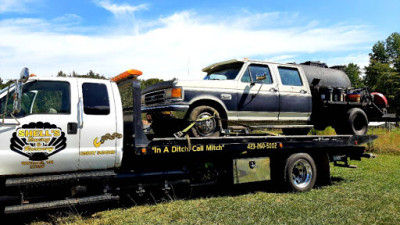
(369, 194)
(388, 142)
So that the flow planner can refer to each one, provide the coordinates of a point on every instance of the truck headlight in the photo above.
(174, 93)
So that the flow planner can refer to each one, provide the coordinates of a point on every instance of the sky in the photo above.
(175, 39)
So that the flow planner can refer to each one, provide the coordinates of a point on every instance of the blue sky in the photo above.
(167, 39)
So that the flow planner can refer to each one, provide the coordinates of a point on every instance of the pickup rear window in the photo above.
(290, 76)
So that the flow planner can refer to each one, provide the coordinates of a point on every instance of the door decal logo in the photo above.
(38, 141)
(105, 137)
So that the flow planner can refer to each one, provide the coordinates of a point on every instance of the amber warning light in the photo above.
(132, 73)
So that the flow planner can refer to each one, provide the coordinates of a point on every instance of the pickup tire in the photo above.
(206, 128)
(300, 172)
(355, 123)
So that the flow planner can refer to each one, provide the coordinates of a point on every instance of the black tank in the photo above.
(328, 77)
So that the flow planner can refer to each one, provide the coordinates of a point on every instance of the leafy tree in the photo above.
(383, 72)
(393, 50)
(149, 82)
(353, 72)
(90, 74)
(126, 91)
(61, 74)
(379, 52)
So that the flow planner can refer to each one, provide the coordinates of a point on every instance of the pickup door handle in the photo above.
(273, 90)
(72, 128)
(80, 111)
(303, 91)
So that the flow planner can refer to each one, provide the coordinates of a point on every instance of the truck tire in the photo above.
(295, 131)
(300, 172)
(207, 128)
(355, 123)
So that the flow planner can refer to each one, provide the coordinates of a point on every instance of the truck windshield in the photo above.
(224, 72)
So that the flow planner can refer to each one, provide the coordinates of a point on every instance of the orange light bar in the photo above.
(127, 74)
(32, 75)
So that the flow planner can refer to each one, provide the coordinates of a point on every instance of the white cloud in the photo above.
(68, 19)
(281, 58)
(361, 60)
(177, 44)
(120, 9)
(14, 5)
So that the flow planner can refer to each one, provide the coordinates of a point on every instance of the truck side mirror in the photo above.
(24, 76)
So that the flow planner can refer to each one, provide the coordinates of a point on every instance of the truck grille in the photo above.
(156, 97)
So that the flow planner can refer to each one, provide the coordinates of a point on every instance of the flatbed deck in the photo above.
(253, 143)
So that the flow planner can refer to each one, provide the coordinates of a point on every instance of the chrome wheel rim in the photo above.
(206, 127)
(302, 173)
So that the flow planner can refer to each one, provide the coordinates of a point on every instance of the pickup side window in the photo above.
(257, 71)
(95, 99)
(41, 97)
(290, 76)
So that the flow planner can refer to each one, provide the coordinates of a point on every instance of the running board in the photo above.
(60, 203)
(12, 182)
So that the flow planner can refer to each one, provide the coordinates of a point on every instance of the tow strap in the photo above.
(184, 131)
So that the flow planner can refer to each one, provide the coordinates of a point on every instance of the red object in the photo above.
(355, 97)
(380, 99)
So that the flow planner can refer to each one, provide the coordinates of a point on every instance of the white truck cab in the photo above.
(64, 124)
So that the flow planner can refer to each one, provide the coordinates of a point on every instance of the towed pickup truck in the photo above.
(294, 97)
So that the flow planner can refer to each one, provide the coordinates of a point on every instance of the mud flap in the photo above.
(323, 170)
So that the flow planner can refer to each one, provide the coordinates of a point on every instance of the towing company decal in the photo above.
(105, 137)
(38, 141)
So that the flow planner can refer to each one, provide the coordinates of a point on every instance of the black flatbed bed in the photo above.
(257, 143)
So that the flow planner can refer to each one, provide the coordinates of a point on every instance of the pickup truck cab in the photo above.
(61, 126)
(242, 91)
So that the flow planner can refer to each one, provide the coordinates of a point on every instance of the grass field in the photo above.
(369, 194)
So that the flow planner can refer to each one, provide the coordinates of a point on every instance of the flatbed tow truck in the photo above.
(80, 167)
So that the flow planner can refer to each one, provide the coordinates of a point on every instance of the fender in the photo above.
(209, 98)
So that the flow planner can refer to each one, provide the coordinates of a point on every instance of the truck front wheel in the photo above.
(300, 172)
(207, 123)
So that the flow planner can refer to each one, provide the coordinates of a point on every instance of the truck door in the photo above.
(295, 95)
(45, 138)
(97, 125)
(258, 98)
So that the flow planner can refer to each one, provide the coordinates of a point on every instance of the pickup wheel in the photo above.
(205, 127)
(355, 123)
(300, 172)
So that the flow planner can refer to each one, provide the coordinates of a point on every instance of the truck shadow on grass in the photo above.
(151, 197)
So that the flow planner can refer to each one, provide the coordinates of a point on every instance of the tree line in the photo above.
(383, 72)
